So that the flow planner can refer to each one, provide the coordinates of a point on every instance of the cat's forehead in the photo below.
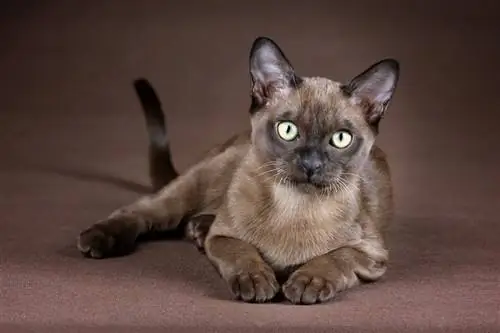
(319, 88)
(322, 101)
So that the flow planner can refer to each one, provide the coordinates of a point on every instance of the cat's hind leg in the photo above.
(117, 234)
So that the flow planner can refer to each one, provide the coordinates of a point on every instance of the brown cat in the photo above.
(305, 195)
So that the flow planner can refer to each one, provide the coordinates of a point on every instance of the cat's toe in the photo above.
(94, 243)
(305, 289)
(104, 239)
(255, 287)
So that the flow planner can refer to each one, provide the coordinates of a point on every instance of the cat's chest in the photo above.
(297, 228)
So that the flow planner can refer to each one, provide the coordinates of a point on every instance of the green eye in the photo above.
(341, 139)
(287, 130)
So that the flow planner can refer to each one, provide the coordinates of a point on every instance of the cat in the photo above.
(300, 203)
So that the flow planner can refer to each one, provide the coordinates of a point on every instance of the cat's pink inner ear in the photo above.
(375, 87)
(378, 89)
(270, 70)
(259, 93)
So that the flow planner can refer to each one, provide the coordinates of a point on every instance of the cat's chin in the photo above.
(309, 186)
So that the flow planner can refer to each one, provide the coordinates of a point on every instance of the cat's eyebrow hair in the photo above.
(347, 124)
(287, 115)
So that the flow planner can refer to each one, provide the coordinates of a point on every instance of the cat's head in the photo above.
(311, 131)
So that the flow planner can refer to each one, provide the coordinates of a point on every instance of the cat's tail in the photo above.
(161, 168)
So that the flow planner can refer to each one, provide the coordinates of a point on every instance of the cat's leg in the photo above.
(241, 266)
(320, 279)
(117, 234)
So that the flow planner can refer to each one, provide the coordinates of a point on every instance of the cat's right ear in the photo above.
(270, 71)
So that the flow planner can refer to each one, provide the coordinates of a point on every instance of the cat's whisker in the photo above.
(360, 178)
(265, 166)
(349, 186)
(353, 186)
(341, 190)
(273, 172)
(354, 192)
(331, 188)
(345, 188)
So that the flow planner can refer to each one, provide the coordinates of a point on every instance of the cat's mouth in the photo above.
(309, 183)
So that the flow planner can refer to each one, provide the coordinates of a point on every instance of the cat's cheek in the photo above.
(361, 158)
(260, 140)
(267, 152)
(272, 148)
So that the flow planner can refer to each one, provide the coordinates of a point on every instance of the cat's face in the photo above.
(314, 133)
(313, 136)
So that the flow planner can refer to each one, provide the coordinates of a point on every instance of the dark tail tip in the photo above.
(161, 168)
(145, 90)
(151, 105)
(150, 101)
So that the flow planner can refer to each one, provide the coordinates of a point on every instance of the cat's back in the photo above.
(376, 188)
(219, 166)
(239, 141)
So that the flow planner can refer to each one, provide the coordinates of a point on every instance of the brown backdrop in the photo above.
(73, 148)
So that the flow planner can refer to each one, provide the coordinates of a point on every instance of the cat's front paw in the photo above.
(254, 285)
(305, 288)
(197, 229)
(108, 238)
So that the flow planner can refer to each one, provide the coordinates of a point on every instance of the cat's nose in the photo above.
(311, 166)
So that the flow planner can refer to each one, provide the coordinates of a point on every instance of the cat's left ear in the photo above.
(374, 88)
(270, 70)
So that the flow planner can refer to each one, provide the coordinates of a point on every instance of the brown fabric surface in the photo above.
(73, 148)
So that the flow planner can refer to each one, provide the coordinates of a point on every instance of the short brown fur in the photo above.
(325, 239)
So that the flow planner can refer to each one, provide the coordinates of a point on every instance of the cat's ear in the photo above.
(270, 71)
(374, 88)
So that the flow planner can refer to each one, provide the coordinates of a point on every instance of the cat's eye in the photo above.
(341, 139)
(287, 130)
